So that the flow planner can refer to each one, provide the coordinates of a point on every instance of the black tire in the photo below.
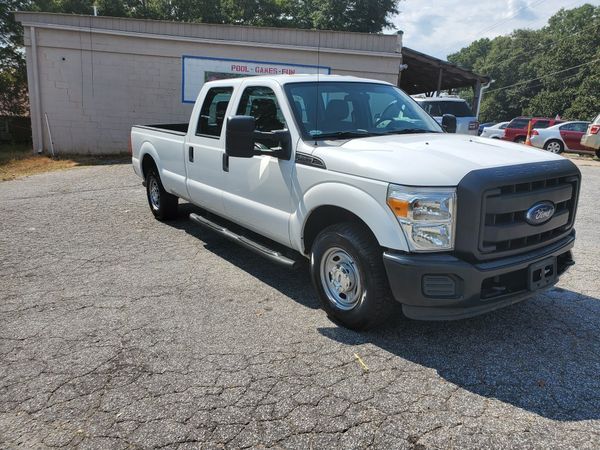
(598, 154)
(163, 205)
(520, 139)
(374, 304)
(554, 146)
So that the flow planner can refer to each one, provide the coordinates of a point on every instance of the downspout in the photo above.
(482, 90)
(37, 119)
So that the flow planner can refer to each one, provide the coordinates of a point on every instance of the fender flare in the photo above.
(148, 149)
(380, 219)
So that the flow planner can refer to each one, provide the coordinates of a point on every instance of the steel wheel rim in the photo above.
(154, 193)
(340, 279)
(553, 147)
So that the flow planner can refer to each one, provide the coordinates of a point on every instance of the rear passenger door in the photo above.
(205, 149)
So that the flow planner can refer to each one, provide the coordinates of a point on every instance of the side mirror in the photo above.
(274, 139)
(449, 123)
(239, 136)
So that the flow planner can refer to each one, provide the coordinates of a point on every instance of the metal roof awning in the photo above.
(426, 74)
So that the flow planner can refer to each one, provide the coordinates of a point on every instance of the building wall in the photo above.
(95, 84)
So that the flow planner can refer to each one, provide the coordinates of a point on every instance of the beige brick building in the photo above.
(92, 78)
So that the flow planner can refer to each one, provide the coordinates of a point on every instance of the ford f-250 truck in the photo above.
(354, 176)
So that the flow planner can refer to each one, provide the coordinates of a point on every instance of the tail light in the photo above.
(594, 129)
(534, 133)
(473, 125)
(129, 146)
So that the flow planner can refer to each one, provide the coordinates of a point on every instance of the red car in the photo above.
(516, 130)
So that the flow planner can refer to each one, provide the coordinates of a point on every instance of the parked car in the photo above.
(353, 177)
(484, 125)
(495, 131)
(516, 130)
(591, 139)
(565, 136)
(466, 121)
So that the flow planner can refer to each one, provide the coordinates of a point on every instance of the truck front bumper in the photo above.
(444, 287)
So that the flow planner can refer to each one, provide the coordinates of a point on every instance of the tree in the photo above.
(544, 72)
(13, 78)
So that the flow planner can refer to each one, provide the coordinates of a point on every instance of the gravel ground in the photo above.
(120, 331)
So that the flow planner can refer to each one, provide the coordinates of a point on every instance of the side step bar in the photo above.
(273, 255)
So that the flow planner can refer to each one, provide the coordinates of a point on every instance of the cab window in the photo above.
(261, 103)
(212, 113)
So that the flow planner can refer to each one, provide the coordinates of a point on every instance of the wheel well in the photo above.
(324, 216)
(147, 163)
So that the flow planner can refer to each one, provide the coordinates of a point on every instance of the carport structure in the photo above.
(421, 73)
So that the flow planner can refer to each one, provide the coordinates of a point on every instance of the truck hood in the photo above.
(432, 159)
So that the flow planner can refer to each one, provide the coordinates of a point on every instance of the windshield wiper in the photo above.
(410, 131)
(343, 135)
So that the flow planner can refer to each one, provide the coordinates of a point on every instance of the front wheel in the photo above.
(554, 146)
(162, 204)
(347, 271)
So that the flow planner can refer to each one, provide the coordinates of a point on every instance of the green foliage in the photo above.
(13, 78)
(535, 72)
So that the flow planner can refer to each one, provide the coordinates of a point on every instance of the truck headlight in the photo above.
(426, 215)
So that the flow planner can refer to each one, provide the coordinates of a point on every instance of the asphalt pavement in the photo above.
(119, 331)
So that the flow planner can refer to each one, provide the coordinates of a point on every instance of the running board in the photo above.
(271, 254)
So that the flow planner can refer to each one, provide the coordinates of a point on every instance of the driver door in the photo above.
(259, 193)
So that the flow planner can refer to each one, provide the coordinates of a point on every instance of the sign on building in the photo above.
(197, 70)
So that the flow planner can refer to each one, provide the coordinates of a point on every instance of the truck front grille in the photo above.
(493, 203)
(505, 208)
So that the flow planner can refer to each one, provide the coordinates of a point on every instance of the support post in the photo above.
(439, 82)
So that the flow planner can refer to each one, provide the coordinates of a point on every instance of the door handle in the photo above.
(191, 154)
(225, 162)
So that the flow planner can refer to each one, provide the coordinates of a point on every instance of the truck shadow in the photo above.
(542, 355)
(294, 284)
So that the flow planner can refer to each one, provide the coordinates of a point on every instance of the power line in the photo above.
(562, 80)
(543, 76)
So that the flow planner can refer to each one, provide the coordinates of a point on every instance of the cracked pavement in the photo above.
(118, 331)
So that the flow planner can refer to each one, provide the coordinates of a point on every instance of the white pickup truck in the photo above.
(354, 176)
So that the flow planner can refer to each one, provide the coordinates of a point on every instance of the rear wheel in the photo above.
(347, 271)
(554, 146)
(162, 204)
(598, 154)
(520, 139)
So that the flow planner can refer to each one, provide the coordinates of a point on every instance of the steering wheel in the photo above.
(388, 113)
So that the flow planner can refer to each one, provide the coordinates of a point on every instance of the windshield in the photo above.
(331, 109)
(438, 108)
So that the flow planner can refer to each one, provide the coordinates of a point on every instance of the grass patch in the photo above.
(18, 161)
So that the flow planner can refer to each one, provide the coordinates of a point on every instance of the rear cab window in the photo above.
(439, 108)
(212, 113)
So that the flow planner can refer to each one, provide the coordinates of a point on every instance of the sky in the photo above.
(450, 25)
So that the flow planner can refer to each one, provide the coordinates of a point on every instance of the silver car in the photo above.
(466, 121)
(495, 131)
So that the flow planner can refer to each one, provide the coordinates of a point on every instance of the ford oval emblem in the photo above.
(539, 213)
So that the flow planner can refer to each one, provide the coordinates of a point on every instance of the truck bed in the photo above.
(172, 128)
